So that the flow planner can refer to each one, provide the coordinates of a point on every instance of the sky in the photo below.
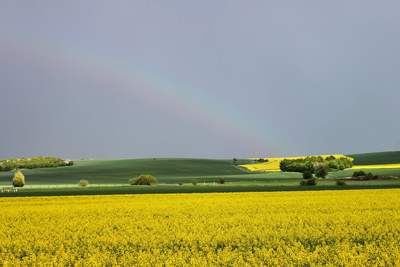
(198, 79)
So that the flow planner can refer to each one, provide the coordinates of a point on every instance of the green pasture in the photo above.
(170, 171)
(111, 177)
(389, 157)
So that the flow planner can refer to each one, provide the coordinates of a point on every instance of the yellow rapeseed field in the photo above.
(378, 166)
(273, 163)
(314, 228)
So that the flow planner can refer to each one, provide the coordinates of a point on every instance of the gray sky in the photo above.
(200, 79)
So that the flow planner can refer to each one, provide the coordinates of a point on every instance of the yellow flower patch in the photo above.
(314, 228)
(378, 166)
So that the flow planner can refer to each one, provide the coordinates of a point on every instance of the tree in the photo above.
(19, 179)
(321, 170)
(321, 173)
(144, 179)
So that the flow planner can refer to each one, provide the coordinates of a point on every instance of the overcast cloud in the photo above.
(198, 79)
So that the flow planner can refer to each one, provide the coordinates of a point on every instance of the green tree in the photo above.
(144, 179)
(19, 179)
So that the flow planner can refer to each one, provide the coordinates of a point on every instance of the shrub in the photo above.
(144, 179)
(309, 182)
(19, 179)
(180, 184)
(222, 180)
(307, 175)
(340, 182)
(83, 183)
(194, 182)
(359, 173)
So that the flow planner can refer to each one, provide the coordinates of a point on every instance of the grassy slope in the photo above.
(120, 171)
(376, 158)
(172, 171)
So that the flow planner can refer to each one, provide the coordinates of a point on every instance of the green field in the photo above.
(389, 157)
(120, 171)
(111, 176)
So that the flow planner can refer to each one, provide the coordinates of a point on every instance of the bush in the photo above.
(83, 183)
(180, 184)
(144, 179)
(222, 180)
(194, 182)
(359, 173)
(309, 182)
(19, 179)
(307, 175)
(340, 182)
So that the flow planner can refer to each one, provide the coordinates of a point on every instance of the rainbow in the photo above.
(138, 82)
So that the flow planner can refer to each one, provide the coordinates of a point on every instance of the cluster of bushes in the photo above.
(262, 160)
(312, 164)
(340, 182)
(362, 173)
(144, 179)
(33, 163)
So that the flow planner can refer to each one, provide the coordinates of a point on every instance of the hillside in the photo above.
(389, 157)
(119, 171)
(173, 170)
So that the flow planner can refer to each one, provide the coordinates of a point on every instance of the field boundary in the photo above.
(186, 189)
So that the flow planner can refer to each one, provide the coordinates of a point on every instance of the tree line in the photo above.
(33, 163)
(310, 163)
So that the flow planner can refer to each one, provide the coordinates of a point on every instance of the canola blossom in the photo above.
(273, 163)
(378, 166)
(314, 228)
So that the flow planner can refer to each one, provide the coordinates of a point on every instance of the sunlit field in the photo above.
(273, 164)
(314, 228)
(377, 166)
